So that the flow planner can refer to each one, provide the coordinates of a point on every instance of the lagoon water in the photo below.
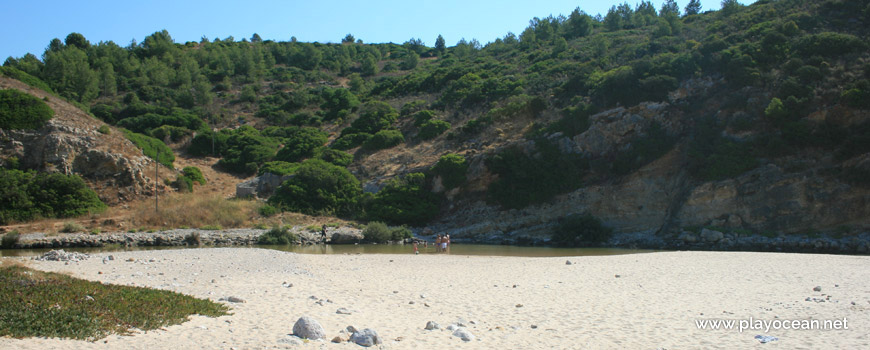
(455, 249)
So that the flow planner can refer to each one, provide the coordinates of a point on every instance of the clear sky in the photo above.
(29, 25)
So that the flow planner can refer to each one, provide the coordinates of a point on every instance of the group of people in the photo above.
(442, 244)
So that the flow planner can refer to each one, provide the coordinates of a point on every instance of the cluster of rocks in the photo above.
(180, 237)
(709, 239)
(308, 328)
(60, 255)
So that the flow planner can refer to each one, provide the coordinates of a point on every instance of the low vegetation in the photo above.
(19, 110)
(43, 304)
(379, 232)
(580, 230)
(192, 210)
(278, 235)
(27, 195)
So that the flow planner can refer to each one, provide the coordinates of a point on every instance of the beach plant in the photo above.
(72, 227)
(267, 210)
(580, 229)
(377, 232)
(45, 304)
(277, 236)
(400, 233)
(193, 238)
(10, 239)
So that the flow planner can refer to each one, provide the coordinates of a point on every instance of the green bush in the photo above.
(580, 229)
(424, 116)
(430, 129)
(277, 236)
(246, 149)
(10, 239)
(72, 227)
(400, 233)
(334, 156)
(452, 168)
(301, 144)
(348, 141)
(375, 116)
(152, 148)
(194, 174)
(713, 157)
(183, 184)
(318, 188)
(26, 195)
(268, 210)
(384, 139)
(19, 110)
(525, 179)
(412, 107)
(104, 129)
(404, 200)
(26, 78)
(643, 150)
(377, 232)
(278, 168)
(171, 133)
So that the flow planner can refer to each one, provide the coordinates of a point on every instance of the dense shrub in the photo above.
(19, 110)
(301, 144)
(277, 236)
(377, 232)
(375, 116)
(451, 168)
(318, 188)
(829, 44)
(10, 239)
(170, 133)
(279, 168)
(334, 156)
(183, 184)
(580, 229)
(430, 129)
(104, 129)
(643, 150)
(348, 141)
(268, 210)
(194, 174)
(525, 179)
(246, 149)
(29, 195)
(25, 78)
(178, 118)
(384, 139)
(404, 200)
(151, 147)
(713, 157)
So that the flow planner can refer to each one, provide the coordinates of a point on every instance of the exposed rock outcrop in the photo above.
(70, 143)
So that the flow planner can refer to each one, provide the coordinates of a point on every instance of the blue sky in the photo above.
(28, 26)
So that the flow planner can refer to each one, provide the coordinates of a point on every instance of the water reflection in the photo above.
(455, 249)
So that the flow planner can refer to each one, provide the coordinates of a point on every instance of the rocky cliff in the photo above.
(70, 143)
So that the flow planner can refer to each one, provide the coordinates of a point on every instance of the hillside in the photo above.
(750, 120)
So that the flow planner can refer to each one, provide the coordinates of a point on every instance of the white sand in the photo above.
(654, 303)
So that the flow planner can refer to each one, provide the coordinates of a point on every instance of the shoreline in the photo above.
(851, 245)
(622, 301)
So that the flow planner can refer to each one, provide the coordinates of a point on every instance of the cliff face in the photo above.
(802, 193)
(70, 143)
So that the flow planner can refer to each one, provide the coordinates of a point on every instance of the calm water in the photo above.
(455, 249)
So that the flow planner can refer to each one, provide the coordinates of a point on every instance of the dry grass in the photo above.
(195, 210)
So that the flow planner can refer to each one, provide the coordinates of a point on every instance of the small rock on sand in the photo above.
(463, 334)
(817, 289)
(308, 328)
(342, 311)
(367, 337)
(432, 325)
(568, 262)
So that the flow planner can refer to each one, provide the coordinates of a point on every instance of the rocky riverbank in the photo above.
(705, 240)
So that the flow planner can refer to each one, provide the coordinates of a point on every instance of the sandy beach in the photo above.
(639, 301)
